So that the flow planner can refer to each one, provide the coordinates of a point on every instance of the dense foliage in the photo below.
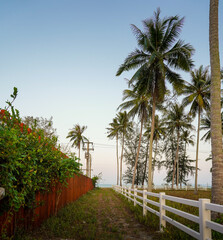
(131, 147)
(29, 161)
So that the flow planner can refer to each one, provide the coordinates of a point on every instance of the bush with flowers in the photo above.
(29, 161)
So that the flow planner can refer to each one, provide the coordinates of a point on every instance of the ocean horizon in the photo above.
(108, 185)
(103, 185)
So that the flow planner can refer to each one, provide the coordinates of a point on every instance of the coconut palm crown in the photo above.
(160, 51)
(76, 136)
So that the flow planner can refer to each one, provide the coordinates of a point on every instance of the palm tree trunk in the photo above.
(137, 175)
(144, 174)
(176, 160)
(153, 167)
(216, 127)
(137, 156)
(123, 140)
(117, 158)
(197, 150)
(151, 145)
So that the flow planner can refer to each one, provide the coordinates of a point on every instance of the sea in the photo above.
(101, 185)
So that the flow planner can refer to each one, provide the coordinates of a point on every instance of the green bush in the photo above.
(29, 161)
(96, 179)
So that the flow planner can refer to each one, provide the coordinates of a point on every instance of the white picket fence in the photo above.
(204, 205)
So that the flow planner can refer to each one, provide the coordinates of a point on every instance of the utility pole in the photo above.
(90, 161)
(87, 150)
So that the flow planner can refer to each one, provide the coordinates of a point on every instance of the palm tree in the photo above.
(76, 136)
(198, 96)
(124, 124)
(177, 121)
(113, 131)
(138, 104)
(159, 52)
(216, 132)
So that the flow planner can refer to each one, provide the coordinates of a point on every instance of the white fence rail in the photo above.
(169, 187)
(204, 206)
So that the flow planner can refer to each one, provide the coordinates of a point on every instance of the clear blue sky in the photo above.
(63, 55)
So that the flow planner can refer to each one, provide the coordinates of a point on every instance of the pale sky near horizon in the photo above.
(63, 55)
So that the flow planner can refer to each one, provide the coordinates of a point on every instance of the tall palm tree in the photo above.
(76, 137)
(159, 52)
(124, 124)
(113, 131)
(177, 121)
(216, 136)
(198, 96)
(138, 104)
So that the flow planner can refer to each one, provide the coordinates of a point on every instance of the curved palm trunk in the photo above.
(123, 140)
(197, 149)
(153, 166)
(151, 145)
(185, 150)
(117, 158)
(144, 173)
(137, 156)
(176, 160)
(216, 127)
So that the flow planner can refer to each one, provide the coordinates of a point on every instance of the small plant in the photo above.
(96, 179)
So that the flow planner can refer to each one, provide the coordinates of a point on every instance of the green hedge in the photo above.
(29, 162)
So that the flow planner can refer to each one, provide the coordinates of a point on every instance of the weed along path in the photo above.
(99, 214)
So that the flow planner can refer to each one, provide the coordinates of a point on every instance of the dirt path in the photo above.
(118, 217)
(100, 214)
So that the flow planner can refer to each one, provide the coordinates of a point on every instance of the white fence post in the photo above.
(162, 211)
(144, 203)
(135, 193)
(129, 194)
(204, 215)
(121, 189)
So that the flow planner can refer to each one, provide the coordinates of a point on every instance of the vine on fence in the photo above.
(29, 161)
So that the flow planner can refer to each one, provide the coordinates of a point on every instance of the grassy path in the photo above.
(100, 214)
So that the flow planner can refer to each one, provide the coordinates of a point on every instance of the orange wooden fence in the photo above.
(51, 203)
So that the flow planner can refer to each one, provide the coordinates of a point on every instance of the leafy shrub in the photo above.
(29, 161)
(96, 179)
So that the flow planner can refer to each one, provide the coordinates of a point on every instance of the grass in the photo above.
(104, 214)
(100, 214)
